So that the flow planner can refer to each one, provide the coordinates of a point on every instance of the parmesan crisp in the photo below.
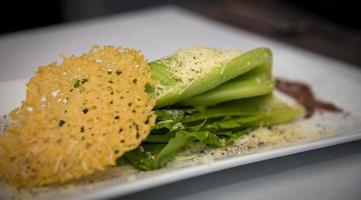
(78, 117)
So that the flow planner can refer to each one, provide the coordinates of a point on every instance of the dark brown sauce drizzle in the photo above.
(303, 94)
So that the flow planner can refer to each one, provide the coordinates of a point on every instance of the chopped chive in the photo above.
(85, 110)
(82, 129)
(118, 72)
(61, 122)
(109, 72)
(84, 81)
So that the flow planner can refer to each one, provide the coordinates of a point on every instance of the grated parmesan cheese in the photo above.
(189, 64)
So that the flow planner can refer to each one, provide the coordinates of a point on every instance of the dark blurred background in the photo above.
(331, 28)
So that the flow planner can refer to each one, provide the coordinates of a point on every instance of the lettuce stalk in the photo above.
(227, 99)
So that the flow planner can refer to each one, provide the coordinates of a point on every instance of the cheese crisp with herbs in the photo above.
(78, 117)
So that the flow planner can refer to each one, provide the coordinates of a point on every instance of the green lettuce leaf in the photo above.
(218, 75)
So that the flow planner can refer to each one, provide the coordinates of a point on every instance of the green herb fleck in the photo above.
(61, 122)
(77, 84)
(149, 88)
(82, 129)
(85, 110)
(118, 72)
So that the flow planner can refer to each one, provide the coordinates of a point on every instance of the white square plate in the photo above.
(156, 33)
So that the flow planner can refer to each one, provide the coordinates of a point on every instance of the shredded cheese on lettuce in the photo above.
(187, 65)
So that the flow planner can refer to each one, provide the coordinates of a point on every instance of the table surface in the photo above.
(330, 173)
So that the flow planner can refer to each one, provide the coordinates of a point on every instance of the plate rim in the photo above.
(119, 190)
